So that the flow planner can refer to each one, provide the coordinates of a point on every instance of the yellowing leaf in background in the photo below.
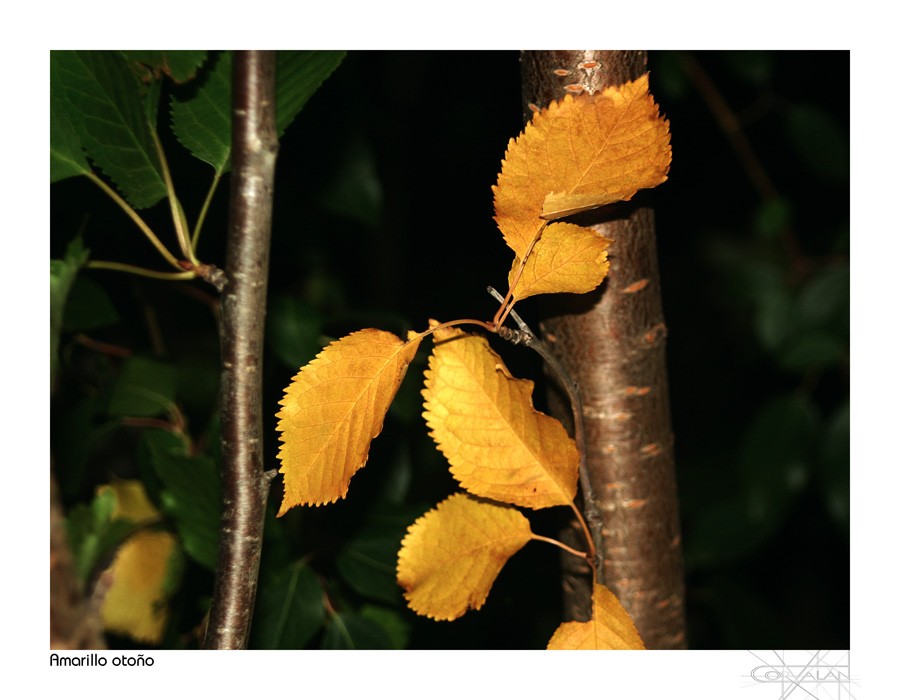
(136, 602)
(333, 409)
(610, 628)
(567, 258)
(580, 153)
(451, 556)
(484, 422)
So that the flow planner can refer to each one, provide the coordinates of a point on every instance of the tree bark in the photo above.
(612, 343)
(245, 484)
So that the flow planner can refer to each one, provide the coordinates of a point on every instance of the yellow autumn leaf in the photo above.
(566, 258)
(333, 409)
(484, 422)
(136, 602)
(580, 153)
(451, 556)
(611, 627)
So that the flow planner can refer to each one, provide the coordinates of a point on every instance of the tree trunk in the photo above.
(245, 484)
(612, 343)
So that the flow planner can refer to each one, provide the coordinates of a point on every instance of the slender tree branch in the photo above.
(244, 480)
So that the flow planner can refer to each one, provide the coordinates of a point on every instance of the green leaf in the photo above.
(202, 119)
(289, 609)
(368, 562)
(299, 75)
(93, 534)
(775, 456)
(353, 631)
(293, 330)
(834, 467)
(67, 157)
(191, 494)
(62, 277)
(145, 387)
(88, 307)
(103, 101)
(181, 66)
(821, 141)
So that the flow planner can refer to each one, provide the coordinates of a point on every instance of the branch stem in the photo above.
(142, 271)
(245, 483)
(195, 238)
(178, 218)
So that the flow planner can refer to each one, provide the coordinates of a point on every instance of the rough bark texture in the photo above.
(612, 343)
(244, 482)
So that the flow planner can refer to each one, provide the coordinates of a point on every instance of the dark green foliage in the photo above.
(98, 94)
(62, 277)
(759, 293)
(289, 609)
(190, 493)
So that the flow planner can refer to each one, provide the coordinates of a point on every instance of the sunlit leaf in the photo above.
(610, 627)
(451, 556)
(567, 258)
(578, 154)
(484, 422)
(333, 409)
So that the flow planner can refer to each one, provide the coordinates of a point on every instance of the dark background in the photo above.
(384, 218)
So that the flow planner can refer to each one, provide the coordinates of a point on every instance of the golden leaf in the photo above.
(451, 556)
(484, 422)
(136, 602)
(333, 409)
(566, 258)
(580, 153)
(610, 628)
